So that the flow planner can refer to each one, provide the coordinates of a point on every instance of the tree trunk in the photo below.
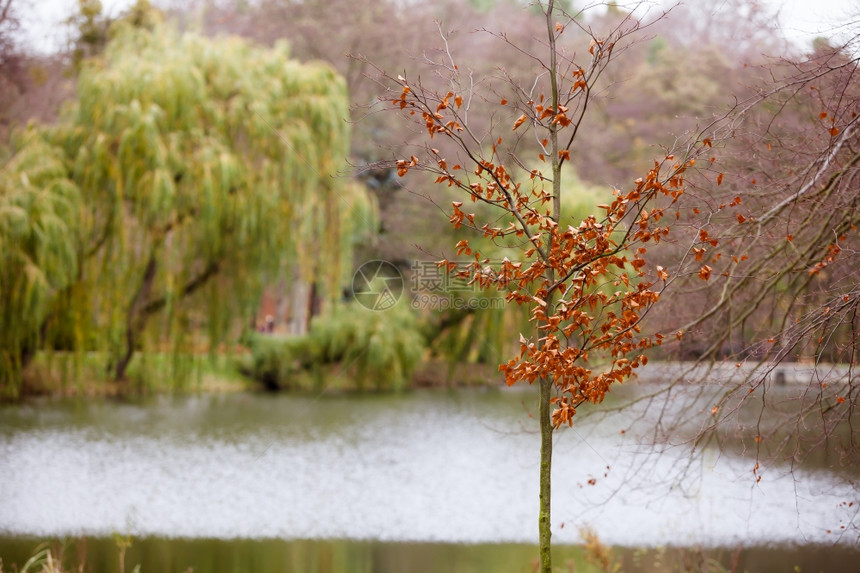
(546, 385)
(544, 525)
(136, 319)
(300, 305)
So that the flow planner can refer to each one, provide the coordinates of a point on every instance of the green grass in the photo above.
(88, 374)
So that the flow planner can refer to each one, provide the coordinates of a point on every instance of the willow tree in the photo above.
(39, 209)
(204, 166)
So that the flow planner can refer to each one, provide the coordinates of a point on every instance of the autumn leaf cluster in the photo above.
(588, 285)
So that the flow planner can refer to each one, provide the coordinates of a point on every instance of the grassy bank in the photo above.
(122, 554)
(87, 374)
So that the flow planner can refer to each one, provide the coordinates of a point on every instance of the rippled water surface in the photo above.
(455, 467)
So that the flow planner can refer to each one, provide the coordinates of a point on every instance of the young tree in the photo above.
(586, 283)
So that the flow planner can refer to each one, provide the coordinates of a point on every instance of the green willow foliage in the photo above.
(39, 210)
(378, 350)
(383, 347)
(204, 168)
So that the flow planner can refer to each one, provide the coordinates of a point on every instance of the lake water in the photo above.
(442, 467)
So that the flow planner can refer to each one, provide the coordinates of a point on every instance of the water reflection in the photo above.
(422, 467)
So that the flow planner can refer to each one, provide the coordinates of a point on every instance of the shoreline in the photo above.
(60, 375)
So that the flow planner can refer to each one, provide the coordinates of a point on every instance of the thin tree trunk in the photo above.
(545, 418)
(546, 385)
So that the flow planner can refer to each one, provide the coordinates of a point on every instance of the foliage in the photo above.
(201, 168)
(474, 325)
(275, 360)
(209, 158)
(39, 221)
(50, 557)
(63, 373)
(379, 349)
(597, 553)
(91, 28)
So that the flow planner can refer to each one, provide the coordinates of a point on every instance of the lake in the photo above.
(353, 478)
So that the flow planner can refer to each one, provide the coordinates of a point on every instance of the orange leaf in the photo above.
(741, 218)
(705, 273)
(564, 154)
(458, 100)
(720, 179)
(834, 131)
(504, 102)
(520, 120)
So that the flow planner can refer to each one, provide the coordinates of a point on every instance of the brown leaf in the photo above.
(520, 120)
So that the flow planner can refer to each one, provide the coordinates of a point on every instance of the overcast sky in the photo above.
(802, 20)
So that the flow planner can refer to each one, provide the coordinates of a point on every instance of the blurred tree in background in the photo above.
(200, 170)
